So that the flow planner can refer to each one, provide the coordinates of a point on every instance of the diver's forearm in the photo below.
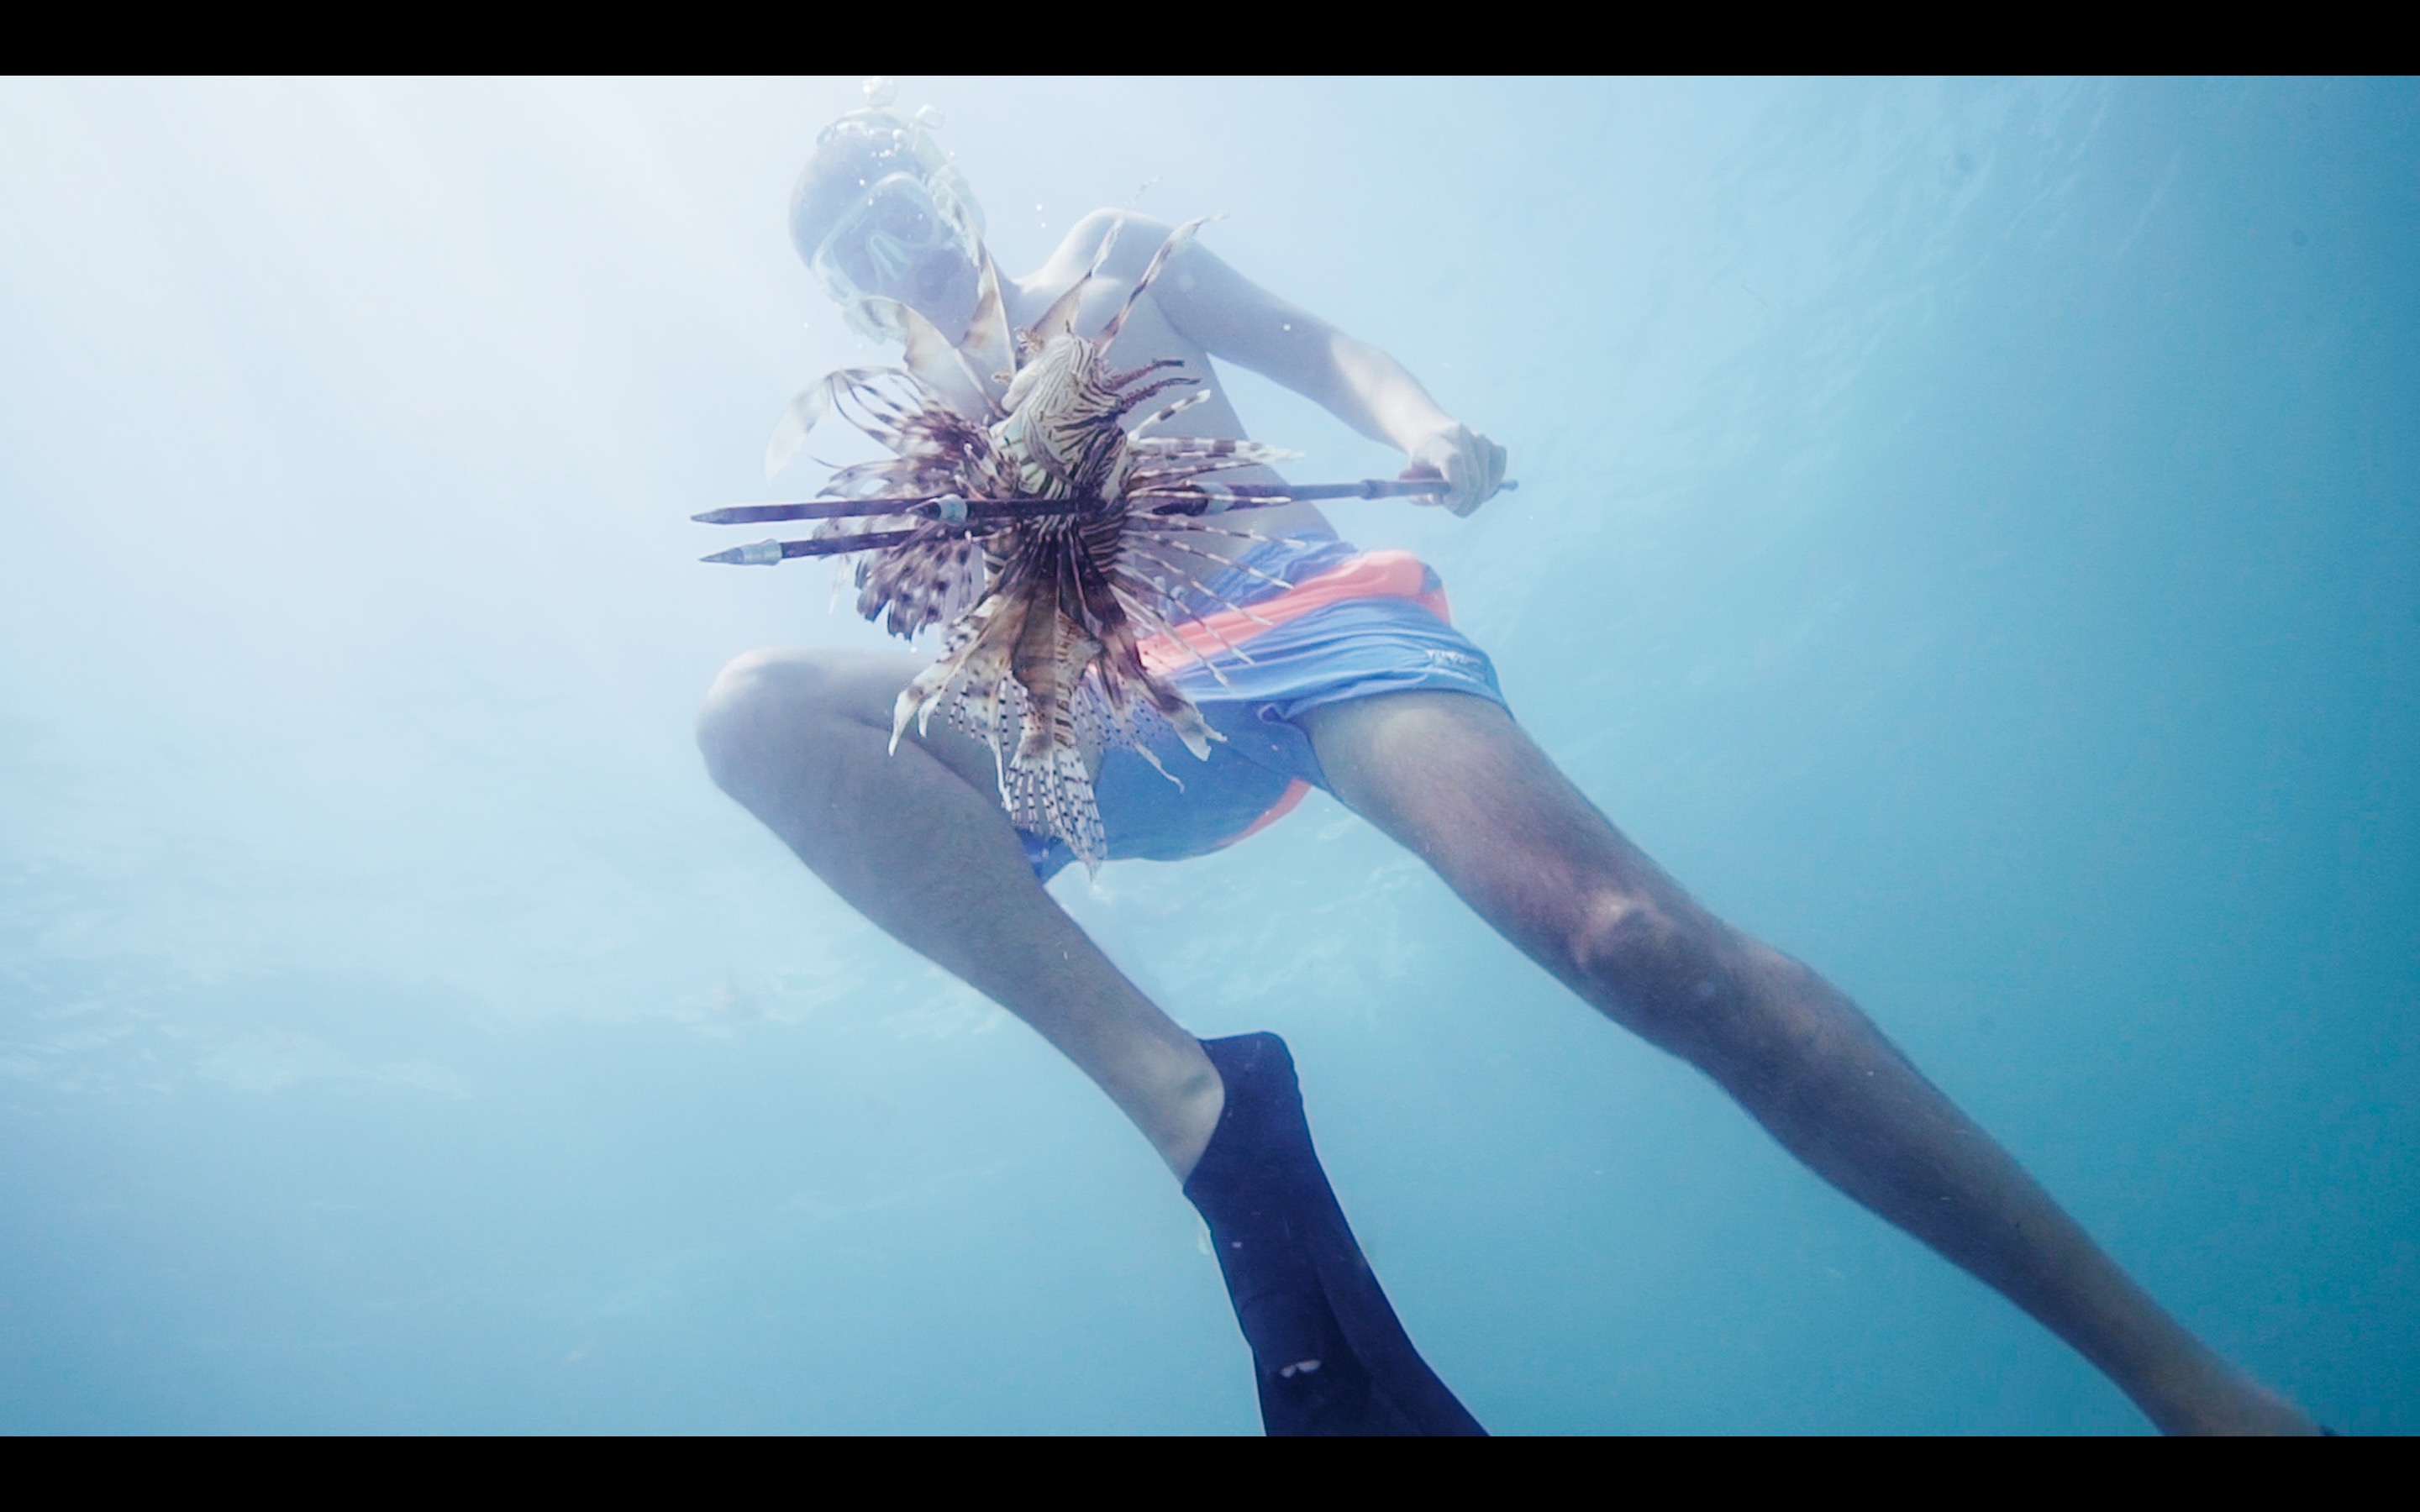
(1377, 397)
(1236, 321)
(1350, 378)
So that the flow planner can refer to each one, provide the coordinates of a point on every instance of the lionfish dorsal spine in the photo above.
(1176, 242)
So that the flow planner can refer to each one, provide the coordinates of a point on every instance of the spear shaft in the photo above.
(950, 509)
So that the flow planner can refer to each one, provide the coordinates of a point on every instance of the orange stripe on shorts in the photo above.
(1371, 574)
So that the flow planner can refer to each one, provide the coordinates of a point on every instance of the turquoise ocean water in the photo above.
(1967, 532)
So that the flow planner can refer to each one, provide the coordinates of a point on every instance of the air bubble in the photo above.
(930, 118)
(880, 90)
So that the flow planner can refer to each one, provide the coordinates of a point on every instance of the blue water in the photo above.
(1967, 532)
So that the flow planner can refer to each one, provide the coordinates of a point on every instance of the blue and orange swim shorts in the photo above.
(1328, 623)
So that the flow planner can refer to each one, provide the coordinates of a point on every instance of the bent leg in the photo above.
(916, 840)
(1454, 779)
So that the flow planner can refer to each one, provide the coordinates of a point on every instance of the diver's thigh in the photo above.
(1427, 765)
(1453, 778)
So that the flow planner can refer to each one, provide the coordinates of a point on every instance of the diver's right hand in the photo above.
(1471, 464)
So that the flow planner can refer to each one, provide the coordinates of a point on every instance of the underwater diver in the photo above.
(1339, 671)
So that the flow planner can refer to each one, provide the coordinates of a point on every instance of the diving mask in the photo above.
(897, 225)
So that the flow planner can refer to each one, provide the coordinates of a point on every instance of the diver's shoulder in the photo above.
(1137, 237)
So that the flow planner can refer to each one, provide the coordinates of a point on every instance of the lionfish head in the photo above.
(1050, 368)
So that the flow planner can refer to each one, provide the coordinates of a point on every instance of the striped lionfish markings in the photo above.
(1042, 618)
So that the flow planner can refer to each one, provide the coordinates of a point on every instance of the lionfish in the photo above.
(1043, 609)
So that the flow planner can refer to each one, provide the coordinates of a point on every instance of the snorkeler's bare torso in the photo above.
(1150, 335)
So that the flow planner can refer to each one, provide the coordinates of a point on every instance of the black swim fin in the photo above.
(1329, 1353)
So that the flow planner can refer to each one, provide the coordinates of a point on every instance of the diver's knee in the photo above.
(1683, 979)
(761, 696)
(1635, 949)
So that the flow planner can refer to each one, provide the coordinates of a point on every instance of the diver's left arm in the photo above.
(1232, 317)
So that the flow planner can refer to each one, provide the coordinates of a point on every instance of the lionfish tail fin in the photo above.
(1049, 792)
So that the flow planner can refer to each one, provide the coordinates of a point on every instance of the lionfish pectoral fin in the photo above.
(990, 350)
(1148, 754)
(790, 431)
(902, 714)
(928, 355)
(918, 699)
(1133, 376)
(1162, 452)
(1152, 390)
(1161, 417)
(1192, 728)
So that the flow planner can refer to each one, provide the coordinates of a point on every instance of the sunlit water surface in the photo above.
(1966, 532)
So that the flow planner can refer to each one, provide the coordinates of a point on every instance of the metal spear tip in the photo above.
(755, 554)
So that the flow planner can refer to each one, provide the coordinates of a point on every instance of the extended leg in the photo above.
(915, 840)
(1456, 780)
